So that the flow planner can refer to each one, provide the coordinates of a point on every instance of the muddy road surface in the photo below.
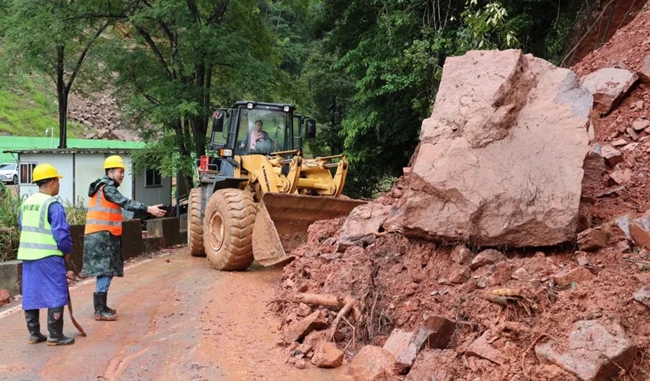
(178, 320)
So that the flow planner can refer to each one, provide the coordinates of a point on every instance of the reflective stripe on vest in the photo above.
(103, 215)
(36, 238)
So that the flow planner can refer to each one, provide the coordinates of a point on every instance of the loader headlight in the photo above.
(286, 109)
(225, 152)
(249, 105)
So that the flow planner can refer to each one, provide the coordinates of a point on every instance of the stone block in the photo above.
(592, 240)
(578, 275)
(168, 228)
(10, 276)
(594, 353)
(327, 355)
(372, 364)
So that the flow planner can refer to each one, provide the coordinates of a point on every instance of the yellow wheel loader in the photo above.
(258, 194)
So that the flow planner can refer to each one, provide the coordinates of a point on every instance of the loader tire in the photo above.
(228, 227)
(194, 224)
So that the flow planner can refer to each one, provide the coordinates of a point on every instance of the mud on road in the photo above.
(178, 319)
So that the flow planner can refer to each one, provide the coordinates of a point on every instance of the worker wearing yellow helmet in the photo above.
(102, 236)
(44, 242)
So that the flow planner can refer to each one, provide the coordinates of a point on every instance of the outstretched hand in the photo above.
(156, 211)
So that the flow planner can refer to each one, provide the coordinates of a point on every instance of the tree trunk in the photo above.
(62, 97)
(200, 122)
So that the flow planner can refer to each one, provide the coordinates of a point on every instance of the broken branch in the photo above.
(345, 303)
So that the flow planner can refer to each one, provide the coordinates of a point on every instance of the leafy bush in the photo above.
(75, 213)
(9, 233)
(9, 212)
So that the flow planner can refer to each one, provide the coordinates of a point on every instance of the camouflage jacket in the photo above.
(102, 250)
(113, 195)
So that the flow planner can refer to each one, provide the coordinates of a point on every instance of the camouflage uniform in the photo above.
(102, 250)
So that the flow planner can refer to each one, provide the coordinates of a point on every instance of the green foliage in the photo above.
(75, 213)
(164, 154)
(367, 70)
(485, 27)
(9, 232)
(55, 39)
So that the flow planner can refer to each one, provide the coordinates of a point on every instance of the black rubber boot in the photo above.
(111, 310)
(101, 311)
(34, 327)
(55, 326)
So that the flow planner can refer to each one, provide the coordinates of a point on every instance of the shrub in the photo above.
(9, 233)
(75, 213)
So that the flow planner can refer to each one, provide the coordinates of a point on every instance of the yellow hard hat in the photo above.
(114, 161)
(45, 171)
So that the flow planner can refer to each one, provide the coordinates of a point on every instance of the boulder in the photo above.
(487, 257)
(461, 254)
(298, 330)
(399, 345)
(611, 155)
(594, 351)
(435, 333)
(459, 274)
(609, 86)
(639, 229)
(500, 161)
(578, 275)
(620, 176)
(592, 239)
(433, 365)
(327, 355)
(640, 124)
(372, 364)
(483, 348)
(398, 341)
(363, 221)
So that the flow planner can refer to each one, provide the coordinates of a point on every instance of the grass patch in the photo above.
(75, 213)
(28, 107)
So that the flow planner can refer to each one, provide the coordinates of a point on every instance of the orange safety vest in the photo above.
(103, 215)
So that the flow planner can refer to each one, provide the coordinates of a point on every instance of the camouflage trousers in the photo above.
(103, 254)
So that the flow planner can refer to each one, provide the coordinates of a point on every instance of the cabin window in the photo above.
(25, 173)
(152, 178)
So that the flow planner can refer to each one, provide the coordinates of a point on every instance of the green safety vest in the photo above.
(36, 238)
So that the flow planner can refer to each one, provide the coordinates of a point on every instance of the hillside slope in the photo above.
(627, 50)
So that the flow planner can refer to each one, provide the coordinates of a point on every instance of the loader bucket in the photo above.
(282, 221)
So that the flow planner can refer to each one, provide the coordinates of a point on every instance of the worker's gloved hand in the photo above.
(156, 211)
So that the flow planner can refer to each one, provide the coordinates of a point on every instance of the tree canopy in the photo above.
(367, 70)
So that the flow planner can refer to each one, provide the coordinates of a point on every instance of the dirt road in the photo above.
(179, 320)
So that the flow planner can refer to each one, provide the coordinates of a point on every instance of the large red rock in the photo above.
(594, 353)
(500, 161)
(359, 227)
(327, 355)
(434, 365)
(578, 275)
(313, 322)
(372, 364)
(592, 239)
(482, 348)
(609, 86)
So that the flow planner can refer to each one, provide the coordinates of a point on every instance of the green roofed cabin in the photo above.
(81, 166)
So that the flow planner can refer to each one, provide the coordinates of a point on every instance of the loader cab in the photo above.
(282, 130)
